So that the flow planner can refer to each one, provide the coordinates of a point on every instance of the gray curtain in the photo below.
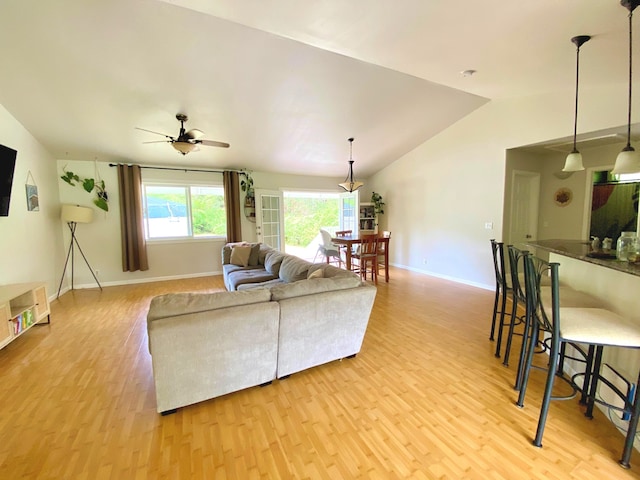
(134, 245)
(231, 182)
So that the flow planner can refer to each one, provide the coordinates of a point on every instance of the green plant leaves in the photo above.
(89, 185)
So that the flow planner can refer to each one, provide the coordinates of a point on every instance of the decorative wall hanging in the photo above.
(32, 193)
(563, 197)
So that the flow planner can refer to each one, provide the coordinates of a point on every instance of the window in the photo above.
(184, 211)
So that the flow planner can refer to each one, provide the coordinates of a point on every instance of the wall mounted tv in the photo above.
(7, 166)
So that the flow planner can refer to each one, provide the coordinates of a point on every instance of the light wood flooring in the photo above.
(424, 399)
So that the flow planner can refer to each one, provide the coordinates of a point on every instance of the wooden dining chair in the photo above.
(382, 246)
(367, 257)
(343, 233)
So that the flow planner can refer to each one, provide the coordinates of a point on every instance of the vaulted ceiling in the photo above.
(286, 82)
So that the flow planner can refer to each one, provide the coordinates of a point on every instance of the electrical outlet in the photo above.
(97, 273)
(488, 225)
(424, 261)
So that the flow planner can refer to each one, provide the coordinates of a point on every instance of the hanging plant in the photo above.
(246, 184)
(89, 185)
(376, 199)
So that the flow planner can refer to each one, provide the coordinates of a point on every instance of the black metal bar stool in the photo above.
(594, 327)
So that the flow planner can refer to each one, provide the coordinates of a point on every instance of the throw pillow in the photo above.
(316, 274)
(226, 251)
(255, 252)
(240, 255)
(293, 269)
(272, 262)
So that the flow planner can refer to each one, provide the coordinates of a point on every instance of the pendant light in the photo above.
(628, 160)
(349, 184)
(573, 163)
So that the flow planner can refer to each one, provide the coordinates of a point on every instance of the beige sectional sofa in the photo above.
(206, 345)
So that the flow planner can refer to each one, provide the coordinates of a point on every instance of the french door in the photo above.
(349, 208)
(269, 218)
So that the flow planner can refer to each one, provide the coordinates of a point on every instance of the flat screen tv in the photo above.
(7, 166)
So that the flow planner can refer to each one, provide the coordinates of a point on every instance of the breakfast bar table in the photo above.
(351, 240)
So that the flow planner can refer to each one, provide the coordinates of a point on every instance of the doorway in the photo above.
(525, 196)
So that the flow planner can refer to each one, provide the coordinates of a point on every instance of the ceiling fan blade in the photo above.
(194, 134)
(212, 143)
(157, 133)
(159, 141)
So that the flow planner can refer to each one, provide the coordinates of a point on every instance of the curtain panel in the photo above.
(231, 182)
(134, 245)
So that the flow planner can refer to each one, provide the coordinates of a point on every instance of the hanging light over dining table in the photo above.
(350, 184)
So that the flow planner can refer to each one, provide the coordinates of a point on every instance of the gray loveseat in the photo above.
(206, 345)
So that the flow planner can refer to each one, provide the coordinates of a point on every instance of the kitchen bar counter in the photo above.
(581, 249)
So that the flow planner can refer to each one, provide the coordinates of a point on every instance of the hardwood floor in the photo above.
(424, 399)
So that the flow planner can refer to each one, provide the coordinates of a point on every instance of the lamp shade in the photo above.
(184, 147)
(76, 213)
(573, 163)
(351, 186)
(628, 161)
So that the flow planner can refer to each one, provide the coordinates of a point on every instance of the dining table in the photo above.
(350, 240)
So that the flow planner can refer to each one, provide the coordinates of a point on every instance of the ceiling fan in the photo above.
(186, 142)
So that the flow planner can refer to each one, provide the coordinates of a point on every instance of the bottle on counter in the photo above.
(627, 244)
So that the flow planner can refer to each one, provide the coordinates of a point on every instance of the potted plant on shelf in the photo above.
(376, 199)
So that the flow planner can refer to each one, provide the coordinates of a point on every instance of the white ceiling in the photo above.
(286, 82)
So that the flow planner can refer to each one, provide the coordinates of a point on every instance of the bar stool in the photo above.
(595, 327)
(503, 289)
(568, 298)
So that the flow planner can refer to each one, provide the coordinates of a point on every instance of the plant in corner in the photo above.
(376, 199)
(89, 185)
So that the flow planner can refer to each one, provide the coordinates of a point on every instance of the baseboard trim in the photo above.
(445, 277)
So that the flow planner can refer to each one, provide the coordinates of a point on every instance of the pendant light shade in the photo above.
(628, 160)
(349, 184)
(573, 163)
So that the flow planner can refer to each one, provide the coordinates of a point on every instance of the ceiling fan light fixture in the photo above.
(628, 160)
(184, 147)
(194, 134)
(573, 163)
(349, 184)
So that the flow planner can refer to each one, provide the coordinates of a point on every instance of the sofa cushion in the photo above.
(309, 287)
(248, 275)
(262, 253)
(317, 273)
(272, 262)
(268, 284)
(175, 304)
(240, 255)
(293, 269)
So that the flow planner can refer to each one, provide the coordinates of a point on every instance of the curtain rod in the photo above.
(186, 169)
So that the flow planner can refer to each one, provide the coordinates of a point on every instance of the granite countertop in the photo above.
(581, 250)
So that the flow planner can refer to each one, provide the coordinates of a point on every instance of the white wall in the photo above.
(100, 240)
(30, 242)
(561, 222)
(440, 195)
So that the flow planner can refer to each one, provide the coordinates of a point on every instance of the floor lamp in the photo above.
(73, 215)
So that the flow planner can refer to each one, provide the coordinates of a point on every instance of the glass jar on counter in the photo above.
(627, 246)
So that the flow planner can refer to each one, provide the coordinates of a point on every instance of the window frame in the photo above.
(186, 185)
